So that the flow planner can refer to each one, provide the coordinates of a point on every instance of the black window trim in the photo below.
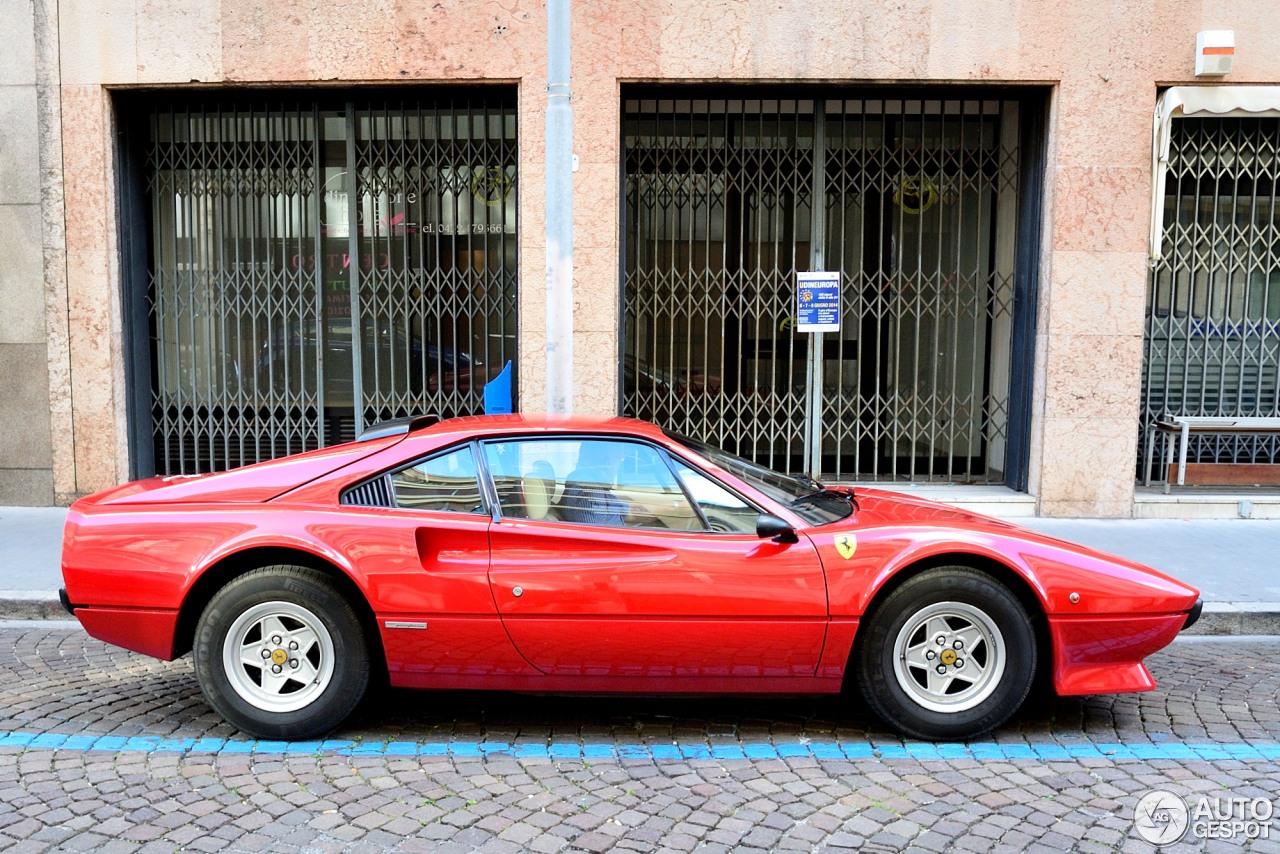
(487, 501)
(805, 523)
(709, 476)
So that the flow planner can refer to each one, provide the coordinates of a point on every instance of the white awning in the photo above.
(1197, 102)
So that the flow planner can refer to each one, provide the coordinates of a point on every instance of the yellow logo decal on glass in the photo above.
(916, 195)
(846, 544)
(491, 184)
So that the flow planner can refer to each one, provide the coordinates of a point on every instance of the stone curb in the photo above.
(1218, 618)
(1238, 618)
(31, 605)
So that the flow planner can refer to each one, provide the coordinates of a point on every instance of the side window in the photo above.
(725, 512)
(528, 476)
(445, 483)
(588, 482)
(625, 484)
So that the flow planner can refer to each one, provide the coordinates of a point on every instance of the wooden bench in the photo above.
(1185, 425)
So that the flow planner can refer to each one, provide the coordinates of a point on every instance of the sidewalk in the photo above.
(1234, 562)
(30, 563)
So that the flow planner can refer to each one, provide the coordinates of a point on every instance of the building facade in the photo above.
(238, 230)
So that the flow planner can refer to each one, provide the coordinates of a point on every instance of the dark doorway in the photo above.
(922, 193)
(313, 265)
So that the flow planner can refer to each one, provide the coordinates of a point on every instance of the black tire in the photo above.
(898, 655)
(301, 625)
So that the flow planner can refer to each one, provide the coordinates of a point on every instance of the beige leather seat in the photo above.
(543, 469)
(537, 497)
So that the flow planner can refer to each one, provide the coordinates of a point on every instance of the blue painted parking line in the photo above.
(986, 751)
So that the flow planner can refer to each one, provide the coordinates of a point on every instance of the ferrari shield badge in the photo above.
(846, 544)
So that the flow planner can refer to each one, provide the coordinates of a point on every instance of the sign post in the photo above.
(817, 311)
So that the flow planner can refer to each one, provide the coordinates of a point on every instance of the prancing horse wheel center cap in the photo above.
(948, 657)
(279, 656)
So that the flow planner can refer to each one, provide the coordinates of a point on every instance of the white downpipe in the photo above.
(559, 212)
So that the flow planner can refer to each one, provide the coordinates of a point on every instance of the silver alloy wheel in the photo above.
(278, 657)
(949, 656)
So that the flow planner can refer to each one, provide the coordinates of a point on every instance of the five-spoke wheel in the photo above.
(278, 656)
(948, 654)
(281, 653)
(949, 657)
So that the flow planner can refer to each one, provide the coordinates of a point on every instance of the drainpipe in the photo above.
(559, 212)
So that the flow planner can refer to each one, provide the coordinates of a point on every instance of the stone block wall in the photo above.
(26, 447)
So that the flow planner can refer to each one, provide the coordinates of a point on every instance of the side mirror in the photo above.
(775, 529)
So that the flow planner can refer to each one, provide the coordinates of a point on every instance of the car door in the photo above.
(586, 589)
(419, 536)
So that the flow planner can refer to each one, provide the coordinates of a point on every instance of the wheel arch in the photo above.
(230, 567)
(1006, 575)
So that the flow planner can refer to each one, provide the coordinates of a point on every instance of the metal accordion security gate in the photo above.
(318, 264)
(1213, 302)
(919, 208)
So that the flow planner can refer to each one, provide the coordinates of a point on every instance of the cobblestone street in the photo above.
(103, 750)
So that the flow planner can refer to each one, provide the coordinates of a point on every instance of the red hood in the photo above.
(246, 485)
(893, 530)
(880, 507)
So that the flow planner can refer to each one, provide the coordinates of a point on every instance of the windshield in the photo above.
(803, 495)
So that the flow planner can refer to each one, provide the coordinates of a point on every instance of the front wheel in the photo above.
(280, 653)
(950, 654)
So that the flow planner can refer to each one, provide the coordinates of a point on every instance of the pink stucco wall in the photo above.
(1103, 60)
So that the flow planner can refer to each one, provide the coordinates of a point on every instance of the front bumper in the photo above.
(1104, 654)
(1193, 615)
(66, 601)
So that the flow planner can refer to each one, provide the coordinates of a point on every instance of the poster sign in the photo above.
(818, 302)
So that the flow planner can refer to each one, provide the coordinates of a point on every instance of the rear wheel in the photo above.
(950, 654)
(280, 653)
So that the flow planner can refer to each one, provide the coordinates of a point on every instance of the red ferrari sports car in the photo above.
(541, 554)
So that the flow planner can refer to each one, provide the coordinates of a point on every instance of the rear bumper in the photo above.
(140, 630)
(66, 601)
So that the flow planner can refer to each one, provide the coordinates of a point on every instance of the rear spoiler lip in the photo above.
(398, 426)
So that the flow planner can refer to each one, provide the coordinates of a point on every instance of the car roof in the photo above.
(497, 425)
